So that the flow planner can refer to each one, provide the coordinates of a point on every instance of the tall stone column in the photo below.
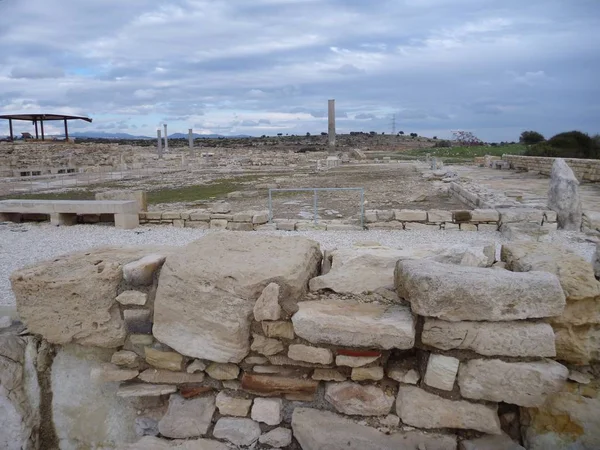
(331, 126)
(166, 140)
(159, 144)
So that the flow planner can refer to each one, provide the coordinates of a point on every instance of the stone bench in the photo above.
(64, 212)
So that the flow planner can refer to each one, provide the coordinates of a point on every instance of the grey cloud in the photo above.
(35, 72)
(365, 116)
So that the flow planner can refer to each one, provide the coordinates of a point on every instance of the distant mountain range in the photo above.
(106, 135)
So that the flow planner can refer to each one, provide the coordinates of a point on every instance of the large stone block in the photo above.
(72, 298)
(187, 418)
(355, 324)
(358, 400)
(577, 344)
(458, 293)
(519, 339)
(563, 196)
(319, 430)
(519, 383)
(421, 409)
(441, 372)
(206, 293)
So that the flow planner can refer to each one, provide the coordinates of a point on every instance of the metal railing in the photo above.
(316, 200)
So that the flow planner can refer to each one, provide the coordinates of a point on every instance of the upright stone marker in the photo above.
(159, 144)
(563, 196)
(191, 141)
(166, 140)
(331, 125)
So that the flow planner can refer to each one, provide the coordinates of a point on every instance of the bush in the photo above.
(531, 137)
(572, 144)
(443, 144)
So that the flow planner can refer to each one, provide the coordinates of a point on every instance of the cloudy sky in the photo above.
(268, 66)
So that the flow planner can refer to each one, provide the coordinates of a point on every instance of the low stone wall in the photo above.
(248, 341)
(584, 169)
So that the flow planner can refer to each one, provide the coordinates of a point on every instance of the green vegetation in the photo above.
(194, 193)
(457, 154)
(531, 138)
(572, 144)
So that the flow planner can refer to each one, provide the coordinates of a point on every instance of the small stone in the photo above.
(241, 432)
(309, 354)
(220, 208)
(232, 406)
(194, 391)
(403, 374)
(252, 360)
(220, 371)
(196, 366)
(355, 399)
(108, 373)
(579, 377)
(141, 339)
(164, 360)
(270, 385)
(267, 306)
(145, 390)
(187, 418)
(265, 345)
(278, 438)
(132, 298)
(367, 373)
(441, 372)
(267, 410)
(169, 377)
(328, 375)
(354, 361)
(141, 272)
(278, 329)
(269, 369)
(145, 426)
(234, 385)
(125, 358)
(391, 420)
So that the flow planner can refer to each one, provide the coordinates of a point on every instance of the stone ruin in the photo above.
(246, 341)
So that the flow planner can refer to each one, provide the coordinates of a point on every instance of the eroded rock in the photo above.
(357, 399)
(563, 196)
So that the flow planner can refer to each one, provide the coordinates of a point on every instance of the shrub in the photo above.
(531, 137)
(443, 144)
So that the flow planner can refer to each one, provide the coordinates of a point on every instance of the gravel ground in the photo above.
(24, 244)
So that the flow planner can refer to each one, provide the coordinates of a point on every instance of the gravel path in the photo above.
(24, 244)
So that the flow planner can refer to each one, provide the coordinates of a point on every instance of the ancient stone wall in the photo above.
(584, 169)
(246, 341)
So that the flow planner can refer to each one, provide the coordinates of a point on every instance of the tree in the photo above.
(307, 133)
(400, 132)
(434, 138)
(531, 137)
(279, 134)
(323, 134)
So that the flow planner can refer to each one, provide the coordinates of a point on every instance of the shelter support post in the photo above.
(12, 138)
(36, 129)
(66, 131)
(42, 126)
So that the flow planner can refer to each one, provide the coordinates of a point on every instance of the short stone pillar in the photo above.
(166, 140)
(563, 196)
(159, 149)
(331, 130)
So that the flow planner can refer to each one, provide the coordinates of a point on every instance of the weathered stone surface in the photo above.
(252, 360)
(237, 431)
(328, 375)
(145, 390)
(163, 360)
(563, 196)
(141, 272)
(491, 338)
(233, 406)
(403, 374)
(109, 372)
(278, 438)
(138, 320)
(502, 442)
(568, 420)
(356, 399)
(577, 345)
(196, 366)
(458, 293)
(441, 372)
(141, 339)
(265, 346)
(146, 426)
(421, 409)
(160, 376)
(309, 354)
(125, 358)
(267, 410)
(86, 414)
(206, 294)
(267, 306)
(519, 383)
(576, 275)
(354, 361)
(220, 208)
(355, 324)
(278, 329)
(410, 215)
(318, 430)
(367, 373)
(132, 298)
(272, 385)
(72, 298)
(153, 443)
(187, 418)
(223, 371)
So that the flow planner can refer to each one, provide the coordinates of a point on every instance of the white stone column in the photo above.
(331, 125)
(166, 140)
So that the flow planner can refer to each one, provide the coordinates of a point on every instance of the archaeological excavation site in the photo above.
(294, 293)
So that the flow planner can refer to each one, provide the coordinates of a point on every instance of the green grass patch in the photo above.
(468, 152)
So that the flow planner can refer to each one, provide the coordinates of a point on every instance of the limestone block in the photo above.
(196, 366)
(563, 196)
(438, 215)
(162, 376)
(278, 438)
(132, 298)
(125, 358)
(441, 372)
(206, 313)
(141, 272)
(145, 390)
(265, 346)
(315, 429)
(577, 344)
(451, 226)
(519, 339)
(487, 227)
(197, 225)
(153, 215)
(355, 324)
(371, 216)
(240, 226)
(244, 216)
(384, 216)
(241, 432)
(468, 227)
(274, 385)
(200, 216)
(170, 215)
(328, 375)
(410, 215)
(367, 373)
(232, 406)
(220, 208)
(360, 400)
(267, 410)
(278, 329)
(286, 226)
(421, 409)
(354, 361)
(309, 354)
(458, 293)
(267, 306)
(391, 225)
(220, 371)
(109, 372)
(139, 196)
(260, 218)
(218, 224)
(252, 360)
(514, 215)
(403, 374)
(163, 360)
(519, 383)
(485, 215)
(187, 418)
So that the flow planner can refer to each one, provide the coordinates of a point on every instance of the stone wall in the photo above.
(584, 169)
(247, 341)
